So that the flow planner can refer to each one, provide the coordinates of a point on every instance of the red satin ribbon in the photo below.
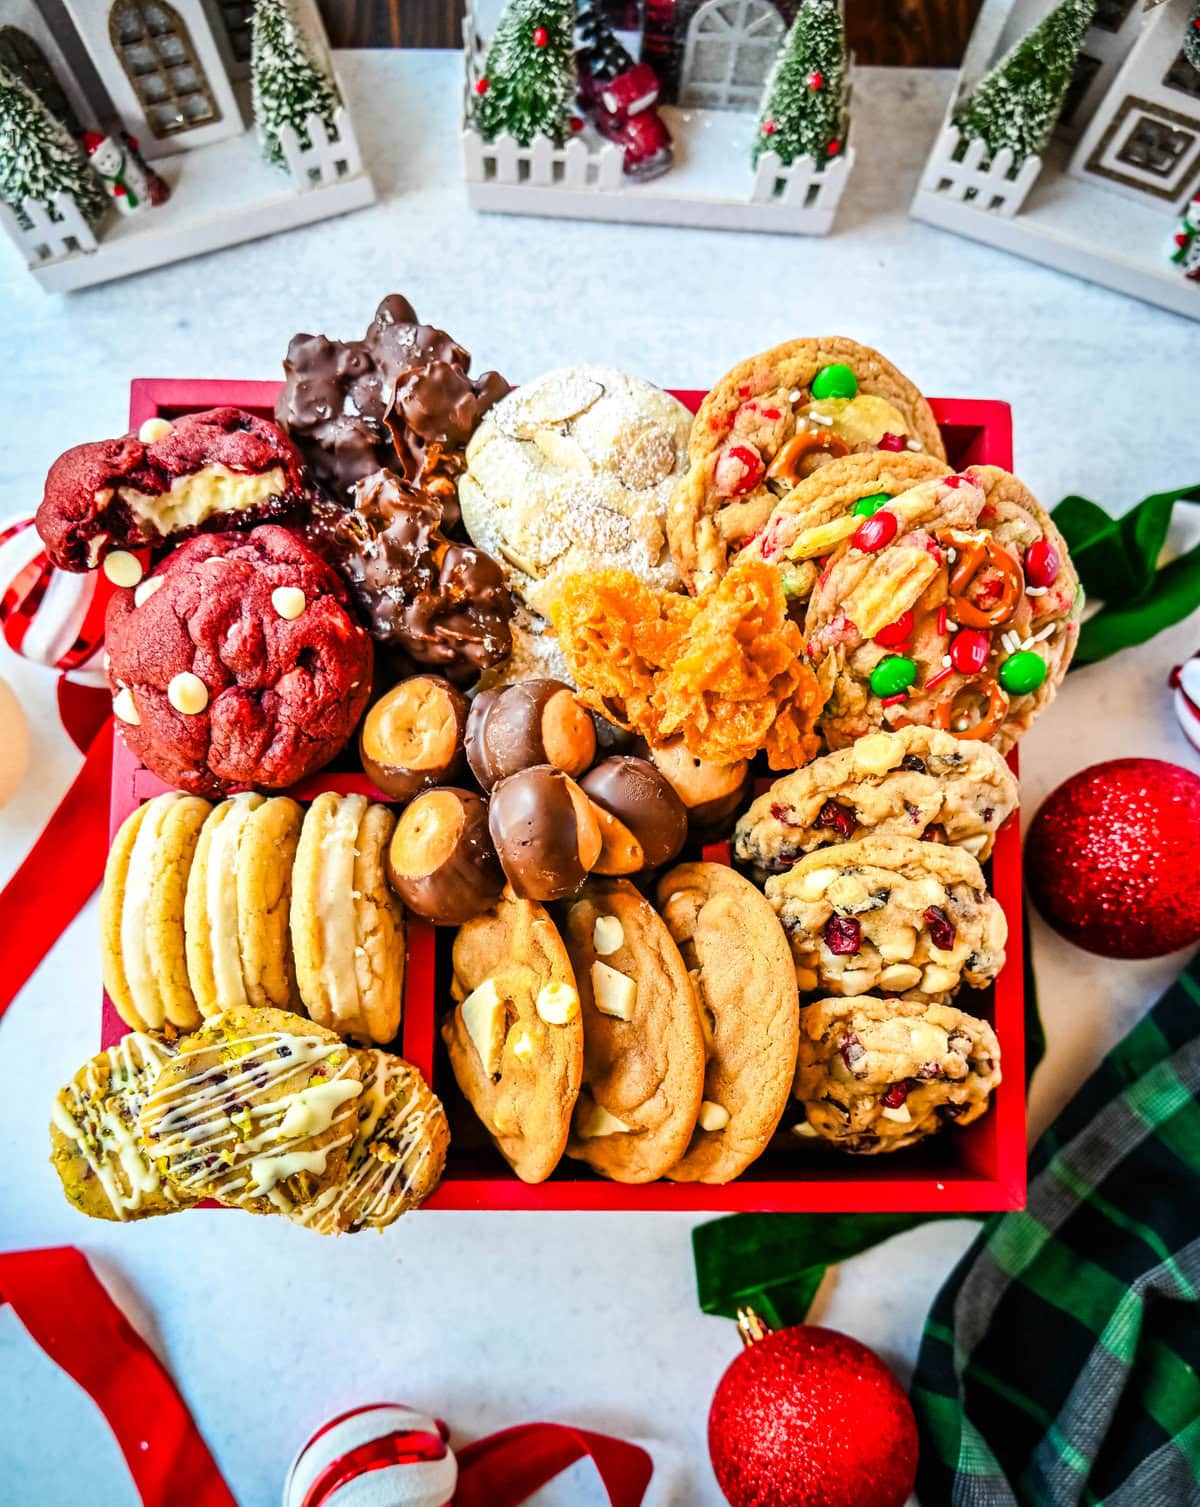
(61, 871)
(507, 1468)
(69, 1314)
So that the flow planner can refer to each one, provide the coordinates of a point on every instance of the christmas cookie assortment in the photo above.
(549, 643)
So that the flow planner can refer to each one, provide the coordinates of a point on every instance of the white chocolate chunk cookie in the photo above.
(890, 914)
(347, 926)
(643, 1042)
(880, 1074)
(515, 1036)
(738, 957)
(916, 782)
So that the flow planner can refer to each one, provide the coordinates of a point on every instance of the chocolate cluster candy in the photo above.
(545, 833)
(444, 604)
(441, 861)
(401, 398)
(531, 722)
(412, 738)
(710, 792)
(643, 823)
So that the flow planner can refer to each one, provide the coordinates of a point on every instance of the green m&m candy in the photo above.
(836, 381)
(1022, 672)
(866, 507)
(893, 676)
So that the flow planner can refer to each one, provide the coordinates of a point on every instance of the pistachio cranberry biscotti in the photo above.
(771, 422)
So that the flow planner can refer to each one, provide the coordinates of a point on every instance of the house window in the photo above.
(1154, 147)
(1086, 69)
(24, 59)
(156, 52)
(1182, 76)
(235, 16)
(731, 45)
(1110, 14)
(1149, 148)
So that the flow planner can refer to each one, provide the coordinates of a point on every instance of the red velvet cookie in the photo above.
(237, 664)
(169, 480)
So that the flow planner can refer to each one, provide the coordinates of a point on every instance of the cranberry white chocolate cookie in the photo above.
(515, 1035)
(412, 738)
(256, 1109)
(953, 605)
(347, 926)
(94, 1145)
(737, 955)
(206, 470)
(772, 421)
(644, 1053)
(880, 1074)
(890, 913)
(142, 914)
(441, 861)
(396, 1158)
(916, 782)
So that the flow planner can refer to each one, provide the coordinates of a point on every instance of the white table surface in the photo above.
(491, 1319)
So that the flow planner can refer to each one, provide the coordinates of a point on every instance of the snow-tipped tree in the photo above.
(288, 84)
(803, 110)
(528, 80)
(39, 157)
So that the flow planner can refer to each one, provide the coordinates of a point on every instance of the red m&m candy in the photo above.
(1041, 563)
(969, 650)
(897, 632)
(876, 531)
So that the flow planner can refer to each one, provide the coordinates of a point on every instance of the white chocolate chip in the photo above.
(975, 845)
(613, 992)
(900, 1114)
(876, 753)
(804, 1129)
(124, 707)
(592, 1120)
(153, 430)
(97, 544)
(814, 884)
(483, 1016)
(521, 1045)
(289, 602)
(557, 1004)
(898, 945)
(122, 568)
(937, 980)
(712, 1116)
(900, 976)
(607, 935)
(187, 693)
(146, 589)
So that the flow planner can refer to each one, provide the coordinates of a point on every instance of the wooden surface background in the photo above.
(929, 33)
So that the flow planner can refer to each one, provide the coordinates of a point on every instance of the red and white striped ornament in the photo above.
(381, 1455)
(55, 617)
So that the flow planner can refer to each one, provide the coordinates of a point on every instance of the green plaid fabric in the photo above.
(1059, 1364)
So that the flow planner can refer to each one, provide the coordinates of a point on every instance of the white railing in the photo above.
(55, 230)
(328, 158)
(963, 174)
(804, 184)
(542, 164)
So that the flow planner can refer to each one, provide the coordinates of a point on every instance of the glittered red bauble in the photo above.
(1112, 859)
(808, 1417)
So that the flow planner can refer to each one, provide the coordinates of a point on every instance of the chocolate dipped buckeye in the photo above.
(711, 792)
(412, 738)
(545, 832)
(441, 861)
(530, 722)
(643, 823)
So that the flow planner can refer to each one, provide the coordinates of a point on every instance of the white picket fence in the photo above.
(990, 185)
(542, 164)
(328, 158)
(804, 184)
(56, 230)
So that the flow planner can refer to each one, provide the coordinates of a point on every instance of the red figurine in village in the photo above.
(620, 97)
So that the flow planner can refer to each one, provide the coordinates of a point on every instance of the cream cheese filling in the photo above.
(194, 498)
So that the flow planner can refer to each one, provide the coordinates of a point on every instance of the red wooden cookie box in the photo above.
(979, 1168)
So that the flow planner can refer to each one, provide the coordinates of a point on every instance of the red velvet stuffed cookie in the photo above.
(237, 664)
(206, 470)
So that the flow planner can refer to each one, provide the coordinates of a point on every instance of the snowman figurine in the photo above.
(115, 160)
(1186, 244)
(383, 1455)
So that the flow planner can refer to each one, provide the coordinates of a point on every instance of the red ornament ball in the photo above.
(834, 148)
(769, 128)
(815, 79)
(540, 36)
(808, 1417)
(481, 86)
(1111, 858)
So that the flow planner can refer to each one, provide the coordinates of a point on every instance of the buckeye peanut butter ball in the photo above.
(237, 664)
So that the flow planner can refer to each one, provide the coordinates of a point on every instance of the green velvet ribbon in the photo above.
(774, 1263)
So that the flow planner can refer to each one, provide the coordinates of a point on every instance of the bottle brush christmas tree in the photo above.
(288, 85)
(1017, 104)
(600, 50)
(803, 111)
(39, 157)
(528, 81)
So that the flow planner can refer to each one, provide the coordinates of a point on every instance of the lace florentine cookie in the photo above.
(917, 782)
(771, 422)
(954, 605)
(892, 914)
(880, 1074)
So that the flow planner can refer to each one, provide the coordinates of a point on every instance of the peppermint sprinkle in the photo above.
(947, 661)
(915, 445)
(794, 397)
(1036, 638)
(821, 418)
(951, 555)
(1036, 591)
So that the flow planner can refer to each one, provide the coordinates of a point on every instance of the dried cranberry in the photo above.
(783, 814)
(892, 442)
(913, 812)
(988, 813)
(852, 1050)
(929, 1070)
(911, 761)
(843, 935)
(837, 817)
(895, 1096)
(934, 832)
(941, 928)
